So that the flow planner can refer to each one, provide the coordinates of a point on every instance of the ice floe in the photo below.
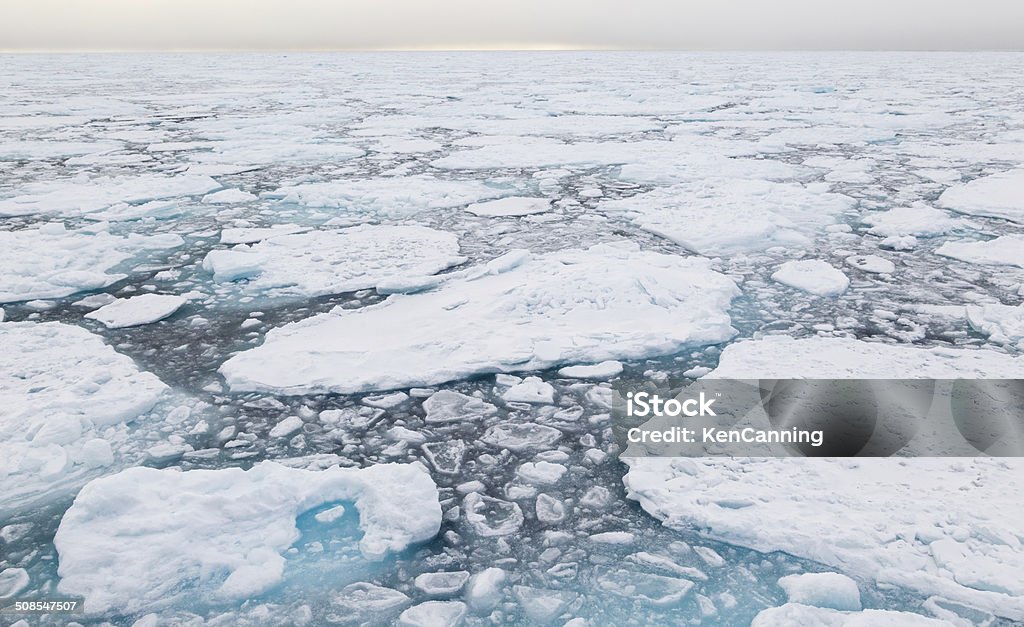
(606, 302)
(51, 261)
(726, 216)
(604, 370)
(917, 220)
(996, 196)
(106, 198)
(1003, 324)
(62, 390)
(796, 615)
(1006, 250)
(512, 206)
(813, 276)
(336, 260)
(216, 536)
(137, 310)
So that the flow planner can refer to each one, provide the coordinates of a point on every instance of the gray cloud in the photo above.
(455, 24)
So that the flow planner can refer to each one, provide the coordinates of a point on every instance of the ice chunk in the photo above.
(522, 437)
(918, 220)
(61, 387)
(229, 196)
(540, 605)
(714, 217)
(602, 371)
(996, 196)
(331, 514)
(636, 586)
(335, 261)
(172, 529)
(541, 473)
(433, 614)
(484, 591)
(549, 510)
(105, 198)
(570, 306)
(531, 390)
(442, 584)
(510, 207)
(137, 310)
(50, 262)
(1003, 324)
(795, 614)
(1007, 250)
(368, 601)
(450, 406)
(813, 276)
(12, 581)
(830, 590)
(872, 263)
(286, 427)
(489, 517)
(394, 197)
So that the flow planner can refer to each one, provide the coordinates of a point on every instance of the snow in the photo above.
(50, 261)
(137, 310)
(1002, 324)
(1006, 250)
(813, 276)
(200, 535)
(829, 590)
(726, 216)
(997, 195)
(602, 371)
(797, 615)
(390, 197)
(512, 206)
(105, 198)
(918, 220)
(62, 389)
(335, 261)
(605, 302)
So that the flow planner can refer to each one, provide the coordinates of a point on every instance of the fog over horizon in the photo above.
(153, 25)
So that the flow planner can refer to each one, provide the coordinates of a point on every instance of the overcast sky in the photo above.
(490, 24)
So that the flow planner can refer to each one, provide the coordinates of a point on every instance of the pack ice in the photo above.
(520, 312)
(995, 195)
(50, 261)
(219, 536)
(67, 398)
(335, 261)
(940, 527)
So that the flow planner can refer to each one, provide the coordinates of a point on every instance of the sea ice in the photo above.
(872, 263)
(512, 206)
(137, 310)
(531, 390)
(725, 216)
(219, 535)
(392, 197)
(813, 276)
(335, 261)
(1007, 250)
(996, 196)
(433, 614)
(829, 590)
(1003, 324)
(918, 220)
(105, 198)
(50, 261)
(602, 371)
(607, 302)
(61, 389)
(797, 615)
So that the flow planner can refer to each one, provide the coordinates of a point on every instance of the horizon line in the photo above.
(524, 48)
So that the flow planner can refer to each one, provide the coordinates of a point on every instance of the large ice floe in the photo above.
(947, 528)
(996, 196)
(219, 537)
(520, 312)
(728, 216)
(67, 400)
(106, 198)
(392, 197)
(50, 261)
(335, 261)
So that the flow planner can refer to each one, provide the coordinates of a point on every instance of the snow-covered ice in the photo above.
(572, 306)
(221, 535)
(813, 276)
(830, 590)
(335, 261)
(512, 206)
(996, 195)
(143, 309)
(1006, 250)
